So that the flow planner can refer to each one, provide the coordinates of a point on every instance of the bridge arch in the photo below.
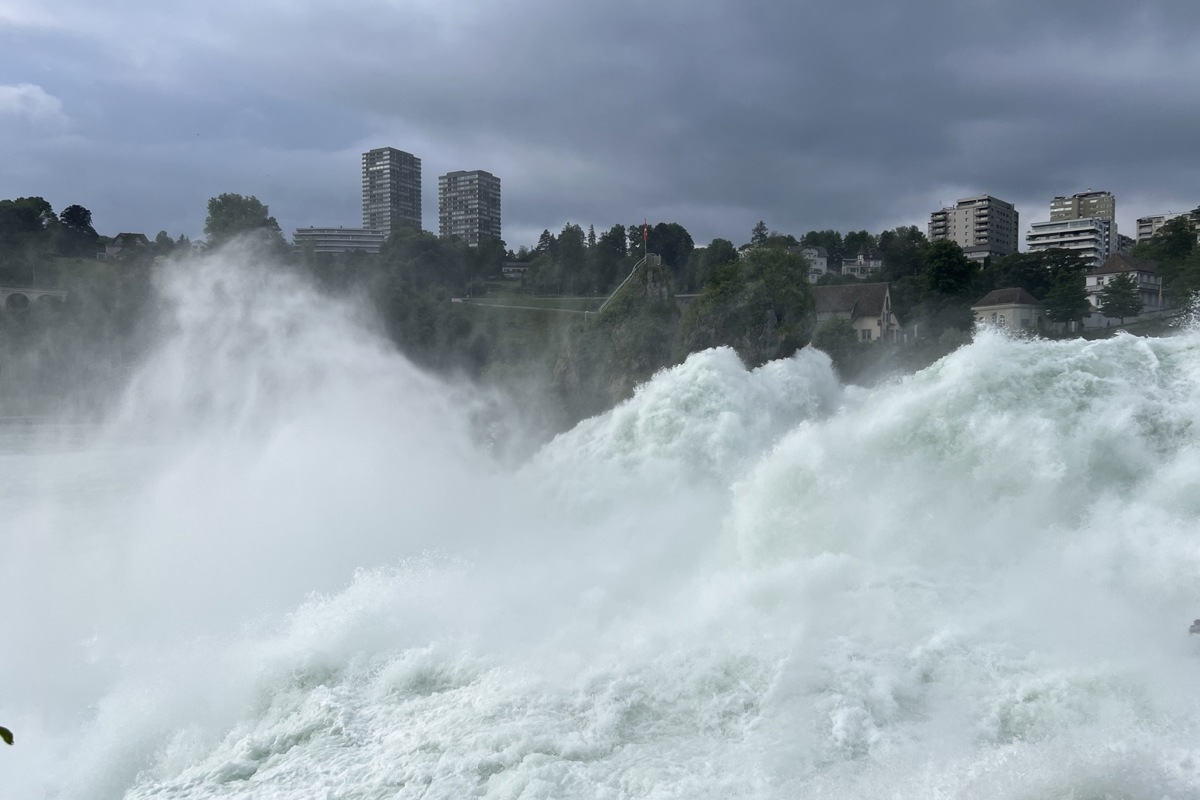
(16, 300)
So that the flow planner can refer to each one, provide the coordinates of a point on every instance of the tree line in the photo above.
(754, 296)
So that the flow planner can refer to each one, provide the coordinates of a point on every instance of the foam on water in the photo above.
(292, 567)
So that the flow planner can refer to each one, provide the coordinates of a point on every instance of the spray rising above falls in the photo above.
(290, 567)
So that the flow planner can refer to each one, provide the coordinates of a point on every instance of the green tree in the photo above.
(76, 236)
(755, 305)
(25, 223)
(1026, 271)
(947, 287)
(639, 239)
(1174, 250)
(903, 250)
(163, 244)
(232, 215)
(760, 234)
(28, 238)
(1120, 297)
(570, 254)
(1067, 300)
(718, 253)
(831, 240)
(857, 242)
(1174, 241)
(671, 241)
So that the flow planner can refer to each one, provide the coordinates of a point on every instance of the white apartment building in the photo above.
(984, 226)
(817, 257)
(1093, 238)
(339, 240)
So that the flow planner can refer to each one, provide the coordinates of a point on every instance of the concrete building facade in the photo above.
(339, 240)
(469, 206)
(1148, 226)
(391, 189)
(984, 226)
(1092, 237)
(1082, 205)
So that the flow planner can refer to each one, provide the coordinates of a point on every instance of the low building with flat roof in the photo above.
(339, 240)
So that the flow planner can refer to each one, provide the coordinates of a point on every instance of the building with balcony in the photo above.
(338, 240)
(1093, 238)
(1148, 226)
(1084, 205)
(391, 190)
(984, 227)
(863, 265)
(469, 206)
(817, 257)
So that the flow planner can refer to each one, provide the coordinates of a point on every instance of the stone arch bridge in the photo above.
(15, 299)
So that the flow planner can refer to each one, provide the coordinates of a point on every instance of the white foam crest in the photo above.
(701, 420)
(989, 450)
(974, 582)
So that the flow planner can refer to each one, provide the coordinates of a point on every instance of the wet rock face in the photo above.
(604, 360)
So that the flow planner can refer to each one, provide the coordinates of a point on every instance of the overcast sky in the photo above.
(808, 114)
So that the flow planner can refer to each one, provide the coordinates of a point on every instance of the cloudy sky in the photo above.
(807, 114)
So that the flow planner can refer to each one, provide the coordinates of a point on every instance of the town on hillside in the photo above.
(452, 298)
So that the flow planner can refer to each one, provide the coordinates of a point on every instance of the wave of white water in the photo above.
(293, 568)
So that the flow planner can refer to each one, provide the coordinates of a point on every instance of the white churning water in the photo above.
(292, 566)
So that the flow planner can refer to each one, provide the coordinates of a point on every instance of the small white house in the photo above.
(817, 257)
(1010, 308)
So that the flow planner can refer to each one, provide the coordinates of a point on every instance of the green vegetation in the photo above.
(232, 215)
(760, 305)
(1174, 248)
(1120, 298)
(449, 307)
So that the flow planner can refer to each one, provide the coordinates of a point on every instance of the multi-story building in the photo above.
(339, 240)
(983, 226)
(1148, 226)
(469, 206)
(1081, 205)
(1093, 238)
(817, 257)
(391, 189)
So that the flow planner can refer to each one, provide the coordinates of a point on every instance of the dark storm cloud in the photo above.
(714, 114)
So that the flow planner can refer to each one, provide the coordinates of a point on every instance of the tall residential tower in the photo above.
(1084, 223)
(983, 226)
(469, 206)
(391, 189)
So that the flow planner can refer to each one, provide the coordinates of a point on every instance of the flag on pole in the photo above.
(646, 231)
